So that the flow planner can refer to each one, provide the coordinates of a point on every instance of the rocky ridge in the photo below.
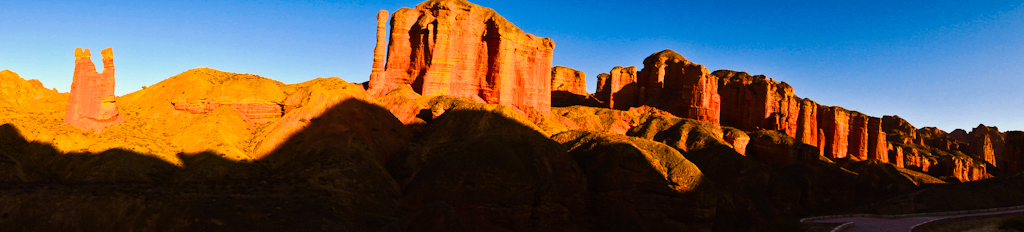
(435, 142)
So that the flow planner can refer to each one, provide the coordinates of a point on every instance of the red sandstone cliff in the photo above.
(834, 123)
(757, 102)
(987, 143)
(878, 147)
(858, 136)
(670, 82)
(1012, 161)
(619, 90)
(92, 105)
(568, 80)
(453, 47)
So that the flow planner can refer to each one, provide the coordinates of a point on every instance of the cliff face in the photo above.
(670, 82)
(834, 122)
(92, 105)
(568, 80)
(453, 47)
(619, 90)
(758, 102)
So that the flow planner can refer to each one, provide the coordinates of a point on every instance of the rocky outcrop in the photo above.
(200, 91)
(757, 102)
(568, 87)
(737, 138)
(619, 90)
(962, 168)
(1012, 161)
(896, 155)
(670, 82)
(377, 81)
(568, 80)
(17, 91)
(899, 129)
(858, 137)
(960, 135)
(834, 122)
(453, 47)
(986, 143)
(92, 105)
(936, 138)
(779, 150)
(878, 147)
(807, 123)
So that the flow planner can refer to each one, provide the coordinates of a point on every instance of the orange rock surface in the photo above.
(987, 143)
(670, 82)
(568, 80)
(453, 47)
(619, 88)
(807, 123)
(757, 102)
(877, 146)
(92, 105)
(834, 122)
(858, 136)
(568, 87)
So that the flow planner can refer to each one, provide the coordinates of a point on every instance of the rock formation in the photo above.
(1012, 161)
(878, 147)
(757, 102)
(834, 122)
(960, 135)
(92, 105)
(568, 80)
(568, 87)
(900, 129)
(670, 82)
(807, 123)
(737, 138)
(987, 143)
(896, 155)
(203, 90)
(858, 136)
(453, 47)
(619, 88)
(380, 54)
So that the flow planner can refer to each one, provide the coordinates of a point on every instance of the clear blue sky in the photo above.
(950, 64)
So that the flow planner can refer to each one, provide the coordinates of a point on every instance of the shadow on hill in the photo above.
(476, 166)
(327, 176)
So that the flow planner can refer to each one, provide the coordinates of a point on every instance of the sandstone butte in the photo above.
(400, 155)
(92, 105)
(456, 48)
(670, 83)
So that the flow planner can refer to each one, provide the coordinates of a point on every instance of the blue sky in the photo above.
(949, 64)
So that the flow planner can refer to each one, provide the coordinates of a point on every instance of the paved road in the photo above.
(898, 224)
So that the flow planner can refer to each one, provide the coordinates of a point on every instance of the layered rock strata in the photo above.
(670, 82)
(568, 80)
(92, 105)
(758, 102)
(834, 123)
(619, 90)
(878, 148)
(453, 47)
(987, 143)
(858, 136)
